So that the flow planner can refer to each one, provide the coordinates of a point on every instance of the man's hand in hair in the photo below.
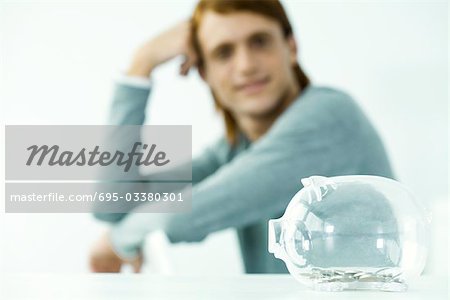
(162, 48)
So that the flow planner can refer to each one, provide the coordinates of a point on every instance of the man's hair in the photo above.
(268, 8)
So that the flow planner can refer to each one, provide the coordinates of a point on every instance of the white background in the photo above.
(59, 60)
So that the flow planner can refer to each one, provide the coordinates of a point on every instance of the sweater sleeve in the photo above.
(317, 135)
(128, 108)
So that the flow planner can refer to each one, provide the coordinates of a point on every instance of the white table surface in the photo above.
(143, 286)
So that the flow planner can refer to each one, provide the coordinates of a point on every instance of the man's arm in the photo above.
(318, 136)
(167, 45)
(130, 101)
(128, 108)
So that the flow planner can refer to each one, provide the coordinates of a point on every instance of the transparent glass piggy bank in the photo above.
(351, 233)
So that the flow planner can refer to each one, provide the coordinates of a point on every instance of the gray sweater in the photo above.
(323, 132)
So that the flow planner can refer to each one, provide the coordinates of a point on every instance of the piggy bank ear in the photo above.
(318, 187)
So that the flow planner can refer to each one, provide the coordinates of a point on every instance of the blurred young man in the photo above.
(279, 129)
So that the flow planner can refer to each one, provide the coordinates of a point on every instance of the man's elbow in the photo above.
(109, 217)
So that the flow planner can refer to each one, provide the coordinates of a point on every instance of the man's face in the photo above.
(247, 61)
